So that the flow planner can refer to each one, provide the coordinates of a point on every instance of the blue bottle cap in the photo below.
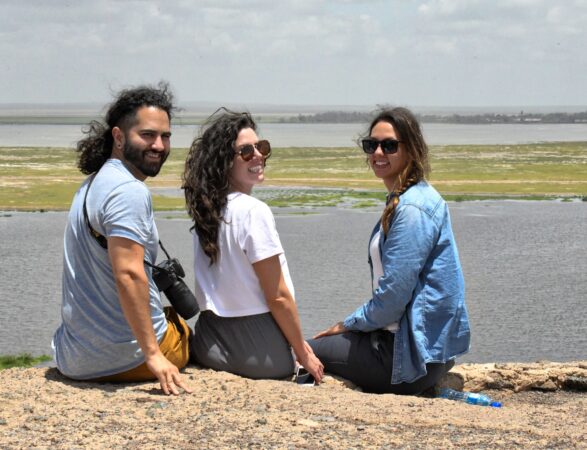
(496, 404)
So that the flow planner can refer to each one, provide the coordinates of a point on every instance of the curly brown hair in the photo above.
(206, 177)
(96, 147)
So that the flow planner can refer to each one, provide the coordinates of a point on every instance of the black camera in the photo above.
(168, 277)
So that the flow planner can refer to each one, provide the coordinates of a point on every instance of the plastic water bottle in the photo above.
(468, 397)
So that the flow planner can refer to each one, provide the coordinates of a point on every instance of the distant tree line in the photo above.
(487, 118)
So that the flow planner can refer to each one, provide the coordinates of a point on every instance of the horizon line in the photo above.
(203, 107)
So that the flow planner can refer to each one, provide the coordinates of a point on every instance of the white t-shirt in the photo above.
(230, 287)
(378, 272)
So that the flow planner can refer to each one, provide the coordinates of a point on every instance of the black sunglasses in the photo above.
(388, 146)
(247, 151)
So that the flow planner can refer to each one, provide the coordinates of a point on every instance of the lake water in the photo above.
(525, 266)
(319, 135)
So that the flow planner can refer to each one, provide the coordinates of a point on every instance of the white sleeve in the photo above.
(258, 236)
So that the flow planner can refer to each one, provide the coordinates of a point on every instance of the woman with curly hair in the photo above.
(407, 335)
(249, 317)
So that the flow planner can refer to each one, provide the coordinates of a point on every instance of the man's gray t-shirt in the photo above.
(94, 338)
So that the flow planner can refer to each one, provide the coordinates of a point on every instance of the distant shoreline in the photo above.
(462, 119)
(79, 117)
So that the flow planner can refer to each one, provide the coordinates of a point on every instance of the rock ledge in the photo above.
(545, 406)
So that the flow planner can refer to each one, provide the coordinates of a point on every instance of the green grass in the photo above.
(47, 178)
(161, 203)
(22, 360)
(553, 168)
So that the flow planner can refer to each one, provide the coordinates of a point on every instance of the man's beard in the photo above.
(136, 156)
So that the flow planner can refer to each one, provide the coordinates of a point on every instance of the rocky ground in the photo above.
(544, 406)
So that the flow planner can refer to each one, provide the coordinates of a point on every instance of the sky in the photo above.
(446, 53)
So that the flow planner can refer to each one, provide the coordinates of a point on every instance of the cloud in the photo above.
(293, 51)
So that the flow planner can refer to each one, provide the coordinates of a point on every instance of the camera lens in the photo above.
(168, 278)
(182, 299)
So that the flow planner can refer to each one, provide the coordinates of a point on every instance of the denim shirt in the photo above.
(422, 287)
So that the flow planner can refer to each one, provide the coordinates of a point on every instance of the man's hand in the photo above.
(168, 374)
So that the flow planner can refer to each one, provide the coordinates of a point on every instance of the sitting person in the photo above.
(406, 336)
(114, 327)
(249, 317)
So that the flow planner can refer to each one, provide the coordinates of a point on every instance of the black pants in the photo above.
(366, 359)
(249, 346)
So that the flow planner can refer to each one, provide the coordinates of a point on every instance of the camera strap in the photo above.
(101, 240)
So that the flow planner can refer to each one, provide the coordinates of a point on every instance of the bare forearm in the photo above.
(134, 299)
(285, 313)
(133, 291)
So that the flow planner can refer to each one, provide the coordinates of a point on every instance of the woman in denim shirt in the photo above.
(407, 335)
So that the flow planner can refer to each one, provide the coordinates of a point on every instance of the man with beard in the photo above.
(114, 327)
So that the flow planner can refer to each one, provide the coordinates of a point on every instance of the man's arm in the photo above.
(126, 257)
